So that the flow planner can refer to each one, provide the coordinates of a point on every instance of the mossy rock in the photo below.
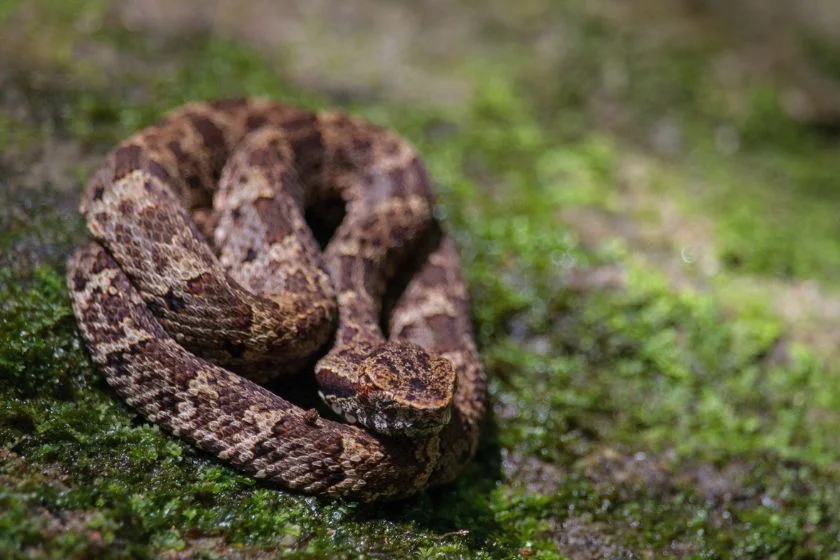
(650, 254)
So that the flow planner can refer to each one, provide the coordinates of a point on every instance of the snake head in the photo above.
(400, 390)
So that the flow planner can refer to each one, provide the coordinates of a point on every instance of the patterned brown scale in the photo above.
(163, 311)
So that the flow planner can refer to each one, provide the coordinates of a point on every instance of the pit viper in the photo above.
(205, 278)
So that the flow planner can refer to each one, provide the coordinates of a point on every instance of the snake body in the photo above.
(183, 329)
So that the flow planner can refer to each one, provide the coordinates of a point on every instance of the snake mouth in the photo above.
(396, 419)
(429, 424)
(390, 418)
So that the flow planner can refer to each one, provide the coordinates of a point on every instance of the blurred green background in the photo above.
(645, 197)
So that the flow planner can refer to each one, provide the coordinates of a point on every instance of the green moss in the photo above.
(733, 156)
(650, 420)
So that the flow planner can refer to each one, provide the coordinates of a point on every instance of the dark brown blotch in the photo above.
(334, 447)
(118, 358)
(263, 157)
(177, 150)
(200, 284)
(160, 257)
(211, 135)
(361, 144)
(255, 121)
(126, 207)
(416, 387)
(297, 282)
(127, 159)
(348, 333)
(157, 171)
(311, 417)
(101, 262)
(79, 281)
(446, 335)
(300, 120)
(308, 145)
(275, 217)
(173, 301)
(390, 147)
(260, 449)
(385, 362)
(281, 428)
(398, 181)
(114, 359)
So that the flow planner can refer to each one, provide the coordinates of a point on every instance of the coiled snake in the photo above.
(164, 313)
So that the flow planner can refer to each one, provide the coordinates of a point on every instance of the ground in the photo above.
(650, 238)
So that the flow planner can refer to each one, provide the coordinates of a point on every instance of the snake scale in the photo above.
(205, 279)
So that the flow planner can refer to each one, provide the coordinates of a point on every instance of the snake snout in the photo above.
(406, 390)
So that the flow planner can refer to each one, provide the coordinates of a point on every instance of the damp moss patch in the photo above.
(631, 418)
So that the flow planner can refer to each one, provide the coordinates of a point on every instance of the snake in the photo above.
(242, 241)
